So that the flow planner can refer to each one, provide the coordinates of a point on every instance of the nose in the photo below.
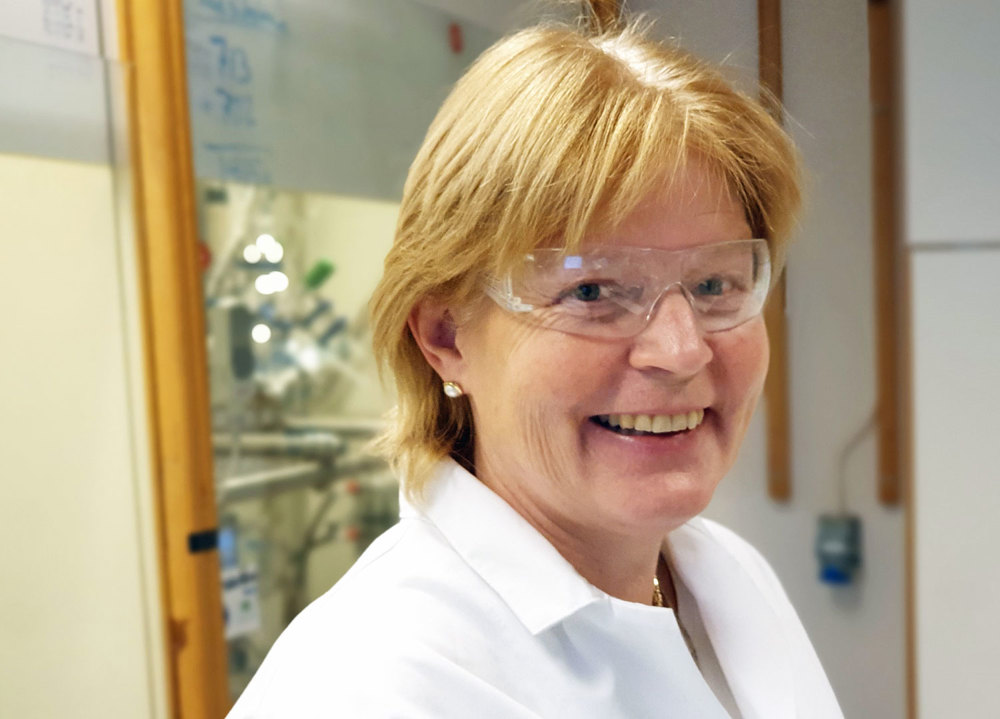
(672, 339)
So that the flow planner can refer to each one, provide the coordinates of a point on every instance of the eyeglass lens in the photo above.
(614, 291)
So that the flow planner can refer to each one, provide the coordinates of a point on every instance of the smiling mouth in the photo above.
(649, 424)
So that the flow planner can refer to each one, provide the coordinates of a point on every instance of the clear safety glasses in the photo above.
(614, 291)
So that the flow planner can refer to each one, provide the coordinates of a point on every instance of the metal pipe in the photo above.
(316, 444)
(341, 426)
(289, 476)
(293, 476)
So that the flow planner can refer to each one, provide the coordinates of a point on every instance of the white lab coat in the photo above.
(464, 610)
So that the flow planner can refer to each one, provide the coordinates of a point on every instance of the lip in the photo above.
(693, 408)
(654, 453)
(596, 422)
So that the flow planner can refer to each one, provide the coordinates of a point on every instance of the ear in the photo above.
(433, 327)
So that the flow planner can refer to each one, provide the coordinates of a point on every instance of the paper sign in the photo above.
(65, 24)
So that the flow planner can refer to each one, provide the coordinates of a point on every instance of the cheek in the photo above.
(528, 397)
(541, 381)
(760, 357)
(516, 374)
(743, 357)
(529, 367)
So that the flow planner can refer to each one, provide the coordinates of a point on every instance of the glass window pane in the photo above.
(305, 116)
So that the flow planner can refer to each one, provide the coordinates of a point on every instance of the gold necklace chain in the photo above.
(657, 594)
(658, 602)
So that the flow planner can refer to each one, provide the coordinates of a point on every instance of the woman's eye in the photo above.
(712, 286)
(586, 292)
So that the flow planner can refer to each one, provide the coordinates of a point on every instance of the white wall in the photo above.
(951, 104)
(952, 100)
(957, 391)
(80, 615)
(858, 631)
(723, 31)
(78, 604)
(498, 15)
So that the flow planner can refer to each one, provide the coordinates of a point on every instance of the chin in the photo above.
(674, 500)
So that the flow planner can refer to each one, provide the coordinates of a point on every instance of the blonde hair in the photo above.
(552, 133)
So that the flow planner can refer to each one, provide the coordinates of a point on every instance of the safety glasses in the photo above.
(614, 291)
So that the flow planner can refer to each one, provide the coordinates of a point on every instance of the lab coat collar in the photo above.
(750, 643)
(534, 580)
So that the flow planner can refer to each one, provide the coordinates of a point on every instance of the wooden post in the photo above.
(889, 272)
(606, 13)
(892, 302)
(152, 48)
(776, 397)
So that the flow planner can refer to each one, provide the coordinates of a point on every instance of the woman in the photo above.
(571, 313)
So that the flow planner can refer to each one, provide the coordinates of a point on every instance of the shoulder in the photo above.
(373, 643)
(730, 555)
(395, 594)
(747, 555)
(810, 684)
(730, 539)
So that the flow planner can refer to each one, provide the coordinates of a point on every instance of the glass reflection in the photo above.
(305, 116)
(295, 398)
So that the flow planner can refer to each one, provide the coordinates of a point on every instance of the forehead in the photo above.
(691, 210)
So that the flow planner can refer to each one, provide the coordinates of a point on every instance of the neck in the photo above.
(620, 562)
(623, 571)
(668, 591)
(620, 565)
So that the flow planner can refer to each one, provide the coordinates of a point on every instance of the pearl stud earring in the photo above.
(452, 390)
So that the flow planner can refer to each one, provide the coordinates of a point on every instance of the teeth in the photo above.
(657, 423)
(663, 423)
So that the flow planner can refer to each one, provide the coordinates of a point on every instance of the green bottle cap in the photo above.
(319, 273)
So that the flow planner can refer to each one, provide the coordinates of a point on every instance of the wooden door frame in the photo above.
(893, 318)
(153, 53)
(777, 403)
(606, 13)
(890, 274)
